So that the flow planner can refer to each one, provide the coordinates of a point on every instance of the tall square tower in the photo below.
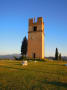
(36, 38)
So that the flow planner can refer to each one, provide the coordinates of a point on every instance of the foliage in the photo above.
(35, 59)
(20, 58)
(16, 58)
(60, 56)
(23, 58)
(24, 46)
(56, 54)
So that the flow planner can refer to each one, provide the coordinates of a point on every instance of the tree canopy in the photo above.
(24, 46)
(56, 54)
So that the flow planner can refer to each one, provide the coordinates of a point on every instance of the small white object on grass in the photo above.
(25, 63)
(35, 61)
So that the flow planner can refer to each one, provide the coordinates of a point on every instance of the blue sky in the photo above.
(14, 15)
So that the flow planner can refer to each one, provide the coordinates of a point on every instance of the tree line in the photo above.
(57, 55)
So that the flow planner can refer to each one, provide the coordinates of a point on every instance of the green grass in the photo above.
(49, 75)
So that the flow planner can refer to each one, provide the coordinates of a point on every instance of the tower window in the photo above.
(35, 28)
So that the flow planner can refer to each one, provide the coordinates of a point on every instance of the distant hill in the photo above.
(9, 56)
(63, 58)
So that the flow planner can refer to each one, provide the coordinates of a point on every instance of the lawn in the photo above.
(47, 75)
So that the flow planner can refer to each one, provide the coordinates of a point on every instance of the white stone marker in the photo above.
(25, 63)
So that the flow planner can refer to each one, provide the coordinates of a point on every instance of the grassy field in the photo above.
(48, 75)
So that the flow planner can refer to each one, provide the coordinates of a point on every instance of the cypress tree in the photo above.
(24, 46)
(60, 56)
(56, 54)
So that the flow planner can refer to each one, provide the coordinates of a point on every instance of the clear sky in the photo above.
(14, 15)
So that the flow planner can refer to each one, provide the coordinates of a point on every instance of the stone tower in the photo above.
(36, 38)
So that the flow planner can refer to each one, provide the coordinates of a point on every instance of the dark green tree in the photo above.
(60, 56)
(24, 46)
(56, 54)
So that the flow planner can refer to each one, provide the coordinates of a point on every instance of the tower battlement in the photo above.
(39, 24)
(34, 21)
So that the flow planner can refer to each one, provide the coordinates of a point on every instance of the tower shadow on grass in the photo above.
(61, 84)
